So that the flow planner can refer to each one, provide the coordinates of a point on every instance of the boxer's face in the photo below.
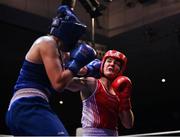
(111, 68)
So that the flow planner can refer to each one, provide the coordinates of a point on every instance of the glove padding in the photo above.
(80, 56)
(93, 68)
(122, 86)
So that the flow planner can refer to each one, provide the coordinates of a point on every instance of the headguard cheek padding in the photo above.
(116, 55)
(67, 27)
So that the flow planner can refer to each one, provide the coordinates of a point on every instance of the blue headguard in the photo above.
(67, 27)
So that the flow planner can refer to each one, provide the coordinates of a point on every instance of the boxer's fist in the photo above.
(122, 86)
(93, 68)
(80, 56)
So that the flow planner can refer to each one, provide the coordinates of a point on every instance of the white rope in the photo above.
(156, 133)
(79, 133)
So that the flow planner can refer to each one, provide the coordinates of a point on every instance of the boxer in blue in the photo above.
(42, 73)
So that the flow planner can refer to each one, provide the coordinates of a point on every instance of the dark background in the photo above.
(153, 53)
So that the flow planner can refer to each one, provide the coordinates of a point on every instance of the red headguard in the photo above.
(116, 55)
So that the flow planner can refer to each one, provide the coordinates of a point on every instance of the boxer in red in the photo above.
(106, 98)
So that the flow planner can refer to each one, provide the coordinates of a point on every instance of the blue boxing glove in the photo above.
(80, 56)
(93, 68)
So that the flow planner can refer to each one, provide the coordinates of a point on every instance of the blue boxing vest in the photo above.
(33, 76)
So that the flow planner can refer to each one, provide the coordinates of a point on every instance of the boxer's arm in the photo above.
(59, 77)
(123, 86)
(76, 84)
(81, 84)
(86, 86)
(50, 57)
(127, 118)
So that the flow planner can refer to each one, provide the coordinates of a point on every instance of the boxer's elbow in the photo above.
(58, 86)
(61, 80)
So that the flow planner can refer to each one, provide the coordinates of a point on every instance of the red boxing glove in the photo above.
(122, 86)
